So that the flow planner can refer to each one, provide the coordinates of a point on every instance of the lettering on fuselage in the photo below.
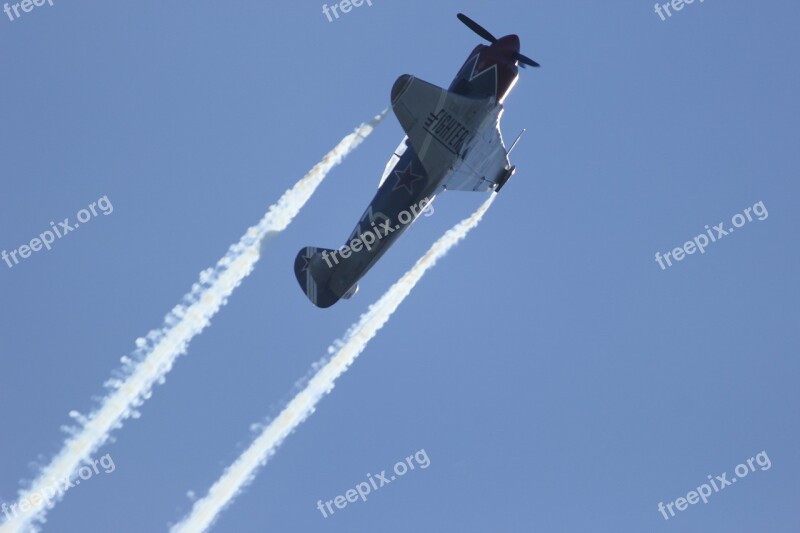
(447, 130)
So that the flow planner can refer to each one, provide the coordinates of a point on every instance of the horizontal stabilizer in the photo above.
(312, 273)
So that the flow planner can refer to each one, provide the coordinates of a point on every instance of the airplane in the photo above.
(452, 142)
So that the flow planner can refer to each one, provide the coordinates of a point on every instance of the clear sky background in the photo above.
(557, 378)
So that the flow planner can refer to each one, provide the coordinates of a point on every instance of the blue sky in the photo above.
(557, 378)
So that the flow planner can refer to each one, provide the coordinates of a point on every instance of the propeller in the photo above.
(525, 60)
(477, 28)
(483, 32)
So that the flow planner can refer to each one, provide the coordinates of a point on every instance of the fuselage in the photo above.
(490, 72)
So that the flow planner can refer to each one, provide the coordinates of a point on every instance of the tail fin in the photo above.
(313, 274)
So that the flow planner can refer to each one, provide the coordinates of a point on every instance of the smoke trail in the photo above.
(156, 353)
(244, 469)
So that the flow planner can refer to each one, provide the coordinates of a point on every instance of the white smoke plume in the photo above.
(344, 351)
(156, 353)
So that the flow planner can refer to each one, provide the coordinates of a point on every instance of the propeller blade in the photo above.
(477, 28)
(525, 60)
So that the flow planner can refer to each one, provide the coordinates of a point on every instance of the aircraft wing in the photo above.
(484, 163)
(442, 127)
(438, 123)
